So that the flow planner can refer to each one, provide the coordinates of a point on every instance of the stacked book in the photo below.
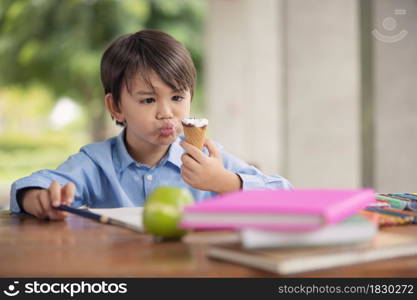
(293, 231)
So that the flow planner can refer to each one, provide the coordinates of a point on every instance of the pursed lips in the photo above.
(167, 129)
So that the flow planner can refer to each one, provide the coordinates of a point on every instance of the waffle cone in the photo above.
(195, 135)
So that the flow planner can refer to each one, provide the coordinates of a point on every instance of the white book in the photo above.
(129, 217)
(356, 229)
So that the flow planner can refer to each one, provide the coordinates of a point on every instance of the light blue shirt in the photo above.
(106, 176)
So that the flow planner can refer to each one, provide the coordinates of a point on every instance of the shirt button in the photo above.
(149, 177)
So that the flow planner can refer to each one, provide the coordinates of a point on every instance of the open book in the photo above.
(128, 217)
(296, 260)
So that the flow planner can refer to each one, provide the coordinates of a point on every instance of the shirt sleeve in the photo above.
(252, 177)
(73, 170)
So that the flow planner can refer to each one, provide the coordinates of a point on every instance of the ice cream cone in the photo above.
(195, 136)
(195, 131)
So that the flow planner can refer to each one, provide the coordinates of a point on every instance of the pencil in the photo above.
(406, 196)
(410, 200)
(405, 212)
(405, 217)
(394, 202)
(96, 217)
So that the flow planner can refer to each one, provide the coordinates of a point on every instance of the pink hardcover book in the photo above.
(289, 210)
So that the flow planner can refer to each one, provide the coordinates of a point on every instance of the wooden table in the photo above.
(80, 247)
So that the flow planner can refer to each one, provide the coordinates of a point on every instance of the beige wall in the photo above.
(323, 93)
(243, 80)
(289, 88)
(395, 91)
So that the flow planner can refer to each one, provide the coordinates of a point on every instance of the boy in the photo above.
(148, 80)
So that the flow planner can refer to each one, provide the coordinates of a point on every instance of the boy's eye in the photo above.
(177, 98)
(147, 100)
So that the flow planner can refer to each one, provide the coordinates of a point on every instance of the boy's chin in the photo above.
(166, 140)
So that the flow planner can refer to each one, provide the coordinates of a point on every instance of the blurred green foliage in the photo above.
(24, 154)
(59, 43)
(28, 142)
(51, 49)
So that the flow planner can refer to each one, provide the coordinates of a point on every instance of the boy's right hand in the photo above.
(41, 203)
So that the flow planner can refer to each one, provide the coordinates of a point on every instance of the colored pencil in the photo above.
(394, 202)
(406, 196)
(404, 217)
(96, 217)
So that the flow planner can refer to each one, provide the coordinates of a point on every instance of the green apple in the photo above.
(163, 210)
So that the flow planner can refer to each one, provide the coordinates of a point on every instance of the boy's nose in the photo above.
(164, 111)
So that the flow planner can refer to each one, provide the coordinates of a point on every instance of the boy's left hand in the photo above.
(207, 172)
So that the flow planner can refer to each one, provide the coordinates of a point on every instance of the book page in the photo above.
(130, 215)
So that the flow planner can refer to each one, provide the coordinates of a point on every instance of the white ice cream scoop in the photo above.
(195, 122)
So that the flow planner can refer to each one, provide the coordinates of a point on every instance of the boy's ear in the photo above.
(113, 108)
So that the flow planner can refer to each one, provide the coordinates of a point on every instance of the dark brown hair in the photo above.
(141, 53)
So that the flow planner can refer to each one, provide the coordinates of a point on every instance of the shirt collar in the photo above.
(124, 159)
(175, 152)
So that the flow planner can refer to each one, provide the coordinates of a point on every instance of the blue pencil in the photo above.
(96, 217)
(82, 213)
(413, 219)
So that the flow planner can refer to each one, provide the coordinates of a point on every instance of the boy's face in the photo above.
(153, 116)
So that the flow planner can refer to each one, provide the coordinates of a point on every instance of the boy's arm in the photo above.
(220, 172)
(42, 203)
(252, 177)
(21, 193)
(73, 170)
